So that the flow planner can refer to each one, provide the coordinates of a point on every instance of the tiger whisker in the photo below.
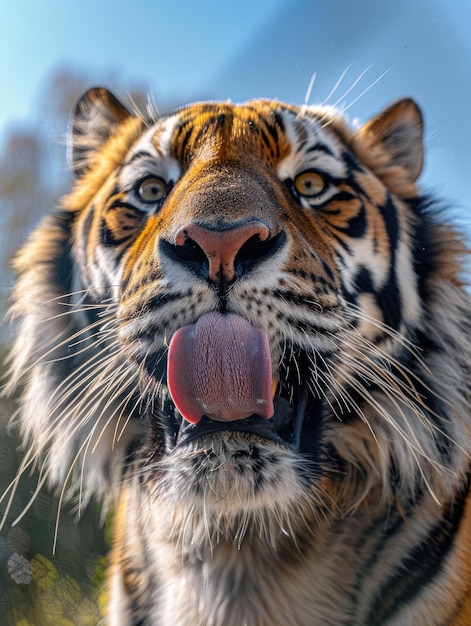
(336, 86)
(365, 91)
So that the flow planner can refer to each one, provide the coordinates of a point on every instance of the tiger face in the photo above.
(239, 328)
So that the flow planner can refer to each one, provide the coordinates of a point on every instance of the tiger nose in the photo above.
(224, 249)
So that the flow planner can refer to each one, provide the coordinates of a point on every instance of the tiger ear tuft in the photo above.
(93, 121)
(394, 138)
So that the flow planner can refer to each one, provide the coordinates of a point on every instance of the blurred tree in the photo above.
(59, 95)
(24, 194)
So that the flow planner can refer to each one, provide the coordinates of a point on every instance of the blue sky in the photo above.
(188, 49)
(173, 46)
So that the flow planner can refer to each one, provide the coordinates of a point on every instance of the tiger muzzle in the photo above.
(222, 252)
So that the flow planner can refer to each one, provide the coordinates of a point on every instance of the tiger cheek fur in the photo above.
(246, 330)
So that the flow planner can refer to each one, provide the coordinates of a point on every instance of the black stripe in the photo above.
(220, 120)
(107, 237)
(120, 204)
(356, 227)
(156, 303)
(142, 154)
(213, 121)
(273, 132)
(265, 138)
(180, 146)
(184, 142)
(298, 300)
(390, 296)
(146, 278)
(278, 120)
(424, 563)
(86, 228)
(109, 240)
(60, 266)
(320, 147)
(353, 164)
(342, 243)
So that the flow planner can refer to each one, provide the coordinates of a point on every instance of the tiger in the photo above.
(246, 331)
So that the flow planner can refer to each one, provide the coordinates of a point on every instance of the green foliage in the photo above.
(36, 587)
(52, 598)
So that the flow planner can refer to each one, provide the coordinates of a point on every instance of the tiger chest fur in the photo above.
(246, 329)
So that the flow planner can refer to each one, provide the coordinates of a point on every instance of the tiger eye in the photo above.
(309, 183)
(152, 189)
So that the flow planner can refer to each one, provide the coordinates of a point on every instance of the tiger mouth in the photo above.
(295, 425)
(220, 379)
(294, 418)
(252, 425)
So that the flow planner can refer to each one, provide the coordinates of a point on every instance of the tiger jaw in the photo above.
(219, 375)
(258, 456)
(294, 428)
(233, 473)
(284, 428)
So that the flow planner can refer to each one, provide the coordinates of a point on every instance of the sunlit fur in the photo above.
(365, 520)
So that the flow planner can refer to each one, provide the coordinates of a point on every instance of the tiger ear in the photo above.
(394, 144)
(93, 121)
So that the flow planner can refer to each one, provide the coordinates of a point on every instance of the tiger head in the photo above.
(231, 310)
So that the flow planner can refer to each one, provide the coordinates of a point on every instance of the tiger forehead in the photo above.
(232, 132)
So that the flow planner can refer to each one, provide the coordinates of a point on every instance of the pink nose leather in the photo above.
(221, 247)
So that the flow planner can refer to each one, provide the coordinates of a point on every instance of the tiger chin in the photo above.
(247, 331)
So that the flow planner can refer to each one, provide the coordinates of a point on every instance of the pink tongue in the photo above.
(220, 367)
